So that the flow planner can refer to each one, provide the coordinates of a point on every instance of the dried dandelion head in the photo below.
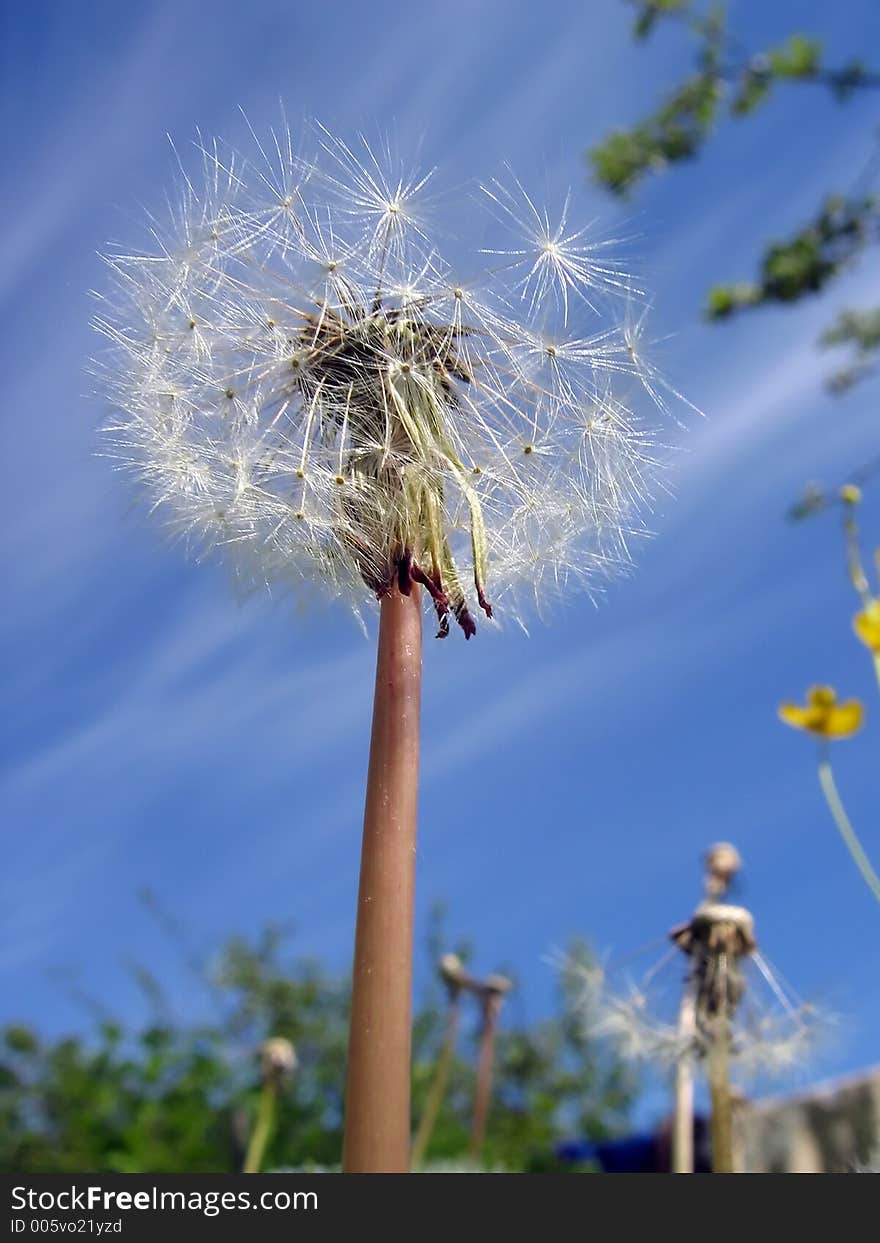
(718, 939)
(452, 972)
(722, 862)
(771, 1031)
(277, 1058)
(301, 381)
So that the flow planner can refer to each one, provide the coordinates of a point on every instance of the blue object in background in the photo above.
(638, 1154)
(634, 1154)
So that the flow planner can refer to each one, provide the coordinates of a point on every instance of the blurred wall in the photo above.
(834, 1128)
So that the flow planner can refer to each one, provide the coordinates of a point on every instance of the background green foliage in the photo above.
(179, 1097)
(734, 81)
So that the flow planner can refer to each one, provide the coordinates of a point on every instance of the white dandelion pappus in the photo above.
(552, 261)
(773, 1030)
(300, 382)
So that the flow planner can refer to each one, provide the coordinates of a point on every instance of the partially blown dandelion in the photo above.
(735, 1008)
(302, 383)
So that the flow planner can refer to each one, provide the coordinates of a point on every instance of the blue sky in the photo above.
(159, 732)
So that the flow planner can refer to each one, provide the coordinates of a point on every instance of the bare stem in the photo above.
(683, 1118)
(438, 1085)
(847, 832)
(719, 1091)
(857, 575)
(265, 1120)
(492, 1008)
(377, 1099)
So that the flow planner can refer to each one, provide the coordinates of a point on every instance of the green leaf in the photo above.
(650, 10)
(723, 300)
(753, 89)
(20, 1039)
(860, 330)
(805, 263)
(848, 78)
(798, 57)
(675, 132)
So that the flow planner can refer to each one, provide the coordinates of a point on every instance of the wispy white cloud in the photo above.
(110, 117)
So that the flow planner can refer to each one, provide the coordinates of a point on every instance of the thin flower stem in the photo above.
(491, 1011)
(377, 1100)
(722, 1111)
(857, 575)
(438, 1085)
(265, 1121)
(683, 1116)
(719, 1092)
(842, 820)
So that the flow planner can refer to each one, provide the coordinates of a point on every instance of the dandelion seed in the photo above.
(551, 261)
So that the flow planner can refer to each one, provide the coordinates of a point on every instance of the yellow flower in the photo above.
(850, 494)
(867, 626)
(823, 715)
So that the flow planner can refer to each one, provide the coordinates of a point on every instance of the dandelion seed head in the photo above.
(303, 384)
(278, 1058)
(772, 1032)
